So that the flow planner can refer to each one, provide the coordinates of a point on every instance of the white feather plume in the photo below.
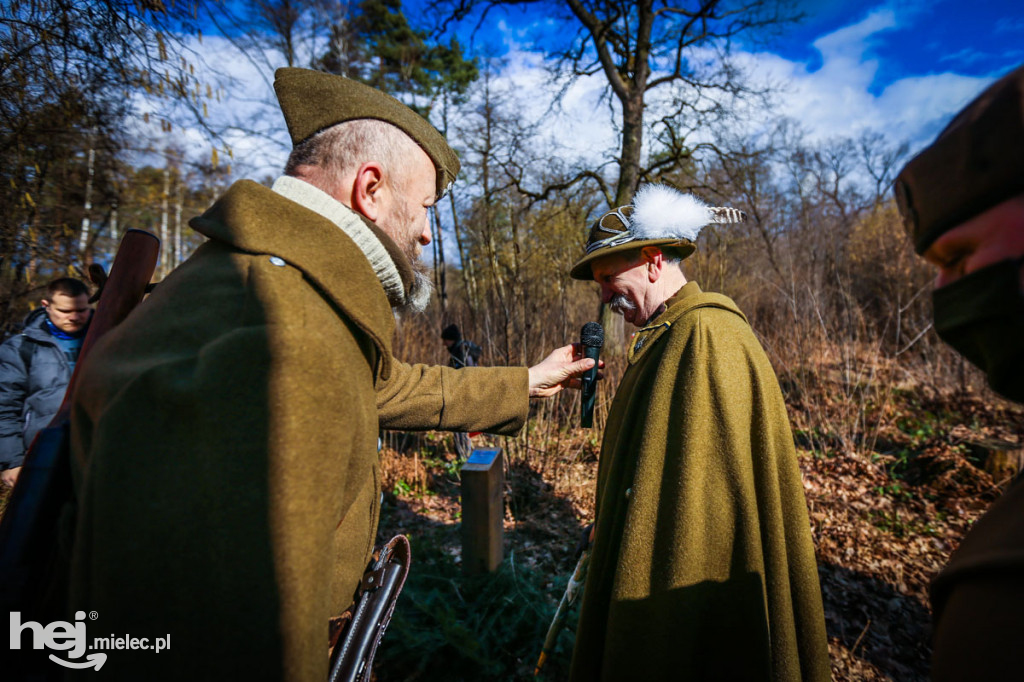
(660, 212)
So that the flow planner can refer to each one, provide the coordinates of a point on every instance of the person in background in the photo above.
(461, 353)
(962, 202)
(36, 366)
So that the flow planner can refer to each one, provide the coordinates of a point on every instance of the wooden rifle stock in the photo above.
(28, 530)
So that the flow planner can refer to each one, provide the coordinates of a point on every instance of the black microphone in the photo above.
(591, 338)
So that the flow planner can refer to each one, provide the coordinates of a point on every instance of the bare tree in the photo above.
(682, 49)
(881, 161)
(69, 76)
(279, 21)
(646, 46)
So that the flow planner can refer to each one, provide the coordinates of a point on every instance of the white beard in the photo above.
(418, 297)
(420, 291)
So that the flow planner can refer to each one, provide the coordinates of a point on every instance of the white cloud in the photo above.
(1010, 25)
(580, 127)
(847, 45)
(916, 109)
(836, 99)
(243, 111)
(964, 56)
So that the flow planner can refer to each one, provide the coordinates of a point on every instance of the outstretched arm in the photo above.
(492, 399)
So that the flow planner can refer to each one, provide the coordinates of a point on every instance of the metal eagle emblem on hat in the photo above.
(659, 216)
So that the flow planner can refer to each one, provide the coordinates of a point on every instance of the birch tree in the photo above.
(69, 73)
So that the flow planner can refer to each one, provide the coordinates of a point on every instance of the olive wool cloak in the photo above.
(224, 443)
(702, 565)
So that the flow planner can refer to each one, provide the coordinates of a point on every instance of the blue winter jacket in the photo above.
(29, 399)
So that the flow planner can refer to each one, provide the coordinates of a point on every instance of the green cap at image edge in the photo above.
(976, 163)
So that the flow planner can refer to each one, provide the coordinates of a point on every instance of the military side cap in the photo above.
(659, 216)
(974, 164)
(313, 100)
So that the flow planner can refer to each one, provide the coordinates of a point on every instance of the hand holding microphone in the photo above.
(564, 368)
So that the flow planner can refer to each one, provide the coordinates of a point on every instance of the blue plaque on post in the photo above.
(482, 459)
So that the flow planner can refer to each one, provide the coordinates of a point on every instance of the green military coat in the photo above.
(702, 565)
(224, 444)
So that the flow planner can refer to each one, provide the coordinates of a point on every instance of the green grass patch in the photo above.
(894, 523)
(492, 627)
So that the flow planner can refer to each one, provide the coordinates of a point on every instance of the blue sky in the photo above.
(978, 38)
(981, 38)
(902, 69)
(899, 68)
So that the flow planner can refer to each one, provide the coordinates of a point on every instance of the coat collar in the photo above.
(254, 219)
(388, 262)
(34, 327)
(688, 298)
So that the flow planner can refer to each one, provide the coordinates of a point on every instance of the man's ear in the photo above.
(655, 261)
(367, 188)
(44, 303)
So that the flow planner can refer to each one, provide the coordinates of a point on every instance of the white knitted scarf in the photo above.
(322, 203)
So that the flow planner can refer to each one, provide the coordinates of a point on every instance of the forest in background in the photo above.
(821, 266)
(884, 414)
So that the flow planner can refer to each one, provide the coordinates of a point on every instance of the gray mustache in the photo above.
(619, 303)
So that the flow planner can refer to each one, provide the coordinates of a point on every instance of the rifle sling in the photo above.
(352, 658)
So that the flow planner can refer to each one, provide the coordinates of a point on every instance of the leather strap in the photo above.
(357, 633)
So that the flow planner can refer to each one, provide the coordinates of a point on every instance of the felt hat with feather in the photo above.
(659, 216)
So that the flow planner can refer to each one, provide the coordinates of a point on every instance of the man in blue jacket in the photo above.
(35, 368)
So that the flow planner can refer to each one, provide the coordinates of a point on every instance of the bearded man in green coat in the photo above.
(702, 565)
(224, 436)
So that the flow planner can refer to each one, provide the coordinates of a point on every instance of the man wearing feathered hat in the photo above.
(224, 437)
(702, 566)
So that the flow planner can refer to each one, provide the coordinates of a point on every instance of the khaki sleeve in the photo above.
(424, 397)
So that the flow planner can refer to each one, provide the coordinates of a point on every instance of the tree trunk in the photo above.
(518, 292)
(83, 238)
(465, 262)
(497, 280)
(632, 146)
(440, 270)
(629, 174)
(164, 209)
(178, 199)
(113, 224)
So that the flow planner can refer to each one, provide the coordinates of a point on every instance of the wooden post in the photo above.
(483, 511)
(1000, 458)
